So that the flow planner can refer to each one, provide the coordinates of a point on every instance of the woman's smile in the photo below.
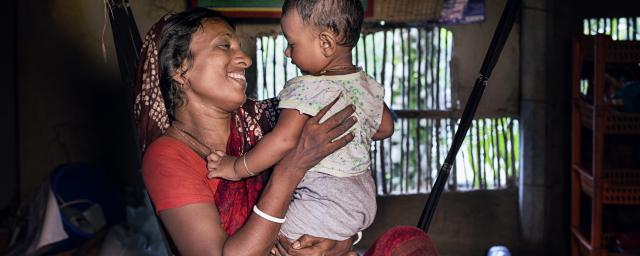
(239, 78)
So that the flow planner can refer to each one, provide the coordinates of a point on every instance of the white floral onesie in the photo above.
(336, 198)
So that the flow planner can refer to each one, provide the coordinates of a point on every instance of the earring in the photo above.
(185, 84)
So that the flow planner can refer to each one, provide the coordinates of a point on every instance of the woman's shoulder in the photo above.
(168, 152)
(166, 145)
(175, 176)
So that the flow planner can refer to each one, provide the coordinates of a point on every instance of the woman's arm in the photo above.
(196, 228)
(313, 145)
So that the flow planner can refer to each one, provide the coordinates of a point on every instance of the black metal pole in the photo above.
(511, 11)
(126, 39)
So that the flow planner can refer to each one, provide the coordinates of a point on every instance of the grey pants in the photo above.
(331, 207)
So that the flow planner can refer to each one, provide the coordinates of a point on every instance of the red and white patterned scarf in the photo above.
(149, 111)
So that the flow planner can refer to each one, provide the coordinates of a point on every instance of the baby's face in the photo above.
(304, 46)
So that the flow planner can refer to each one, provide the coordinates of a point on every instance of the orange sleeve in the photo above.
(176, 176)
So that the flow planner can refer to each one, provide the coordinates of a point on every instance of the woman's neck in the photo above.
(209, 126)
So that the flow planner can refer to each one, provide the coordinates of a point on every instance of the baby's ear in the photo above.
(327, 43)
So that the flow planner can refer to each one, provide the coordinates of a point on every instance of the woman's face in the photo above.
(216, 76)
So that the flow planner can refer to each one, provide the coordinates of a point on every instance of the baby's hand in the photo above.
(214, 159)
(220, 165)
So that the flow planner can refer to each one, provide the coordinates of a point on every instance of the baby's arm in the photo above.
(267, 152)
(386, 125)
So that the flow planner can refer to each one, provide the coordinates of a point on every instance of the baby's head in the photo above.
(321, 33)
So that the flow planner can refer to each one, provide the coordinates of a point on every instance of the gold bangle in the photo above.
(244, 160)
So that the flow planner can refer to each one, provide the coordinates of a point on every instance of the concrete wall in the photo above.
(72, 104)
(470, 44)
(536, 20)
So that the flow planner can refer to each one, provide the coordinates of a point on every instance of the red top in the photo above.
(179, 179)
(176, 176)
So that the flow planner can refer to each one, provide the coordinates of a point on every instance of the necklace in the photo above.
(196, 145)
(341, 68)
(201, 148)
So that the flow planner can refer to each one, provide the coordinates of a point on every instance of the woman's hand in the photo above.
(316, 141)
(310, 245)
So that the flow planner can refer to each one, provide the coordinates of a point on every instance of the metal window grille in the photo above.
(624, 28)
(413, 65)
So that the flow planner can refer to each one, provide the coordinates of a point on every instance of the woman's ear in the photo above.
(180, 76)
(327, 43)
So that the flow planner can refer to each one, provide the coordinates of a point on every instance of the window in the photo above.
(624, 29)
(413, 65)
(617, 28)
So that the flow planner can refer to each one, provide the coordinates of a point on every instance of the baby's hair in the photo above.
(342, 17)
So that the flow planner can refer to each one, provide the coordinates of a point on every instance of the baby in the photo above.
(336, 198)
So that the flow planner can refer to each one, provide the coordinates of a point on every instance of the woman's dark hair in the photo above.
(174, 51)
(342, 17)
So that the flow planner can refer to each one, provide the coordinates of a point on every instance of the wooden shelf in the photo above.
(620, 187)
(619, 52)
(604, 185)
(615, 122)
(585, 245)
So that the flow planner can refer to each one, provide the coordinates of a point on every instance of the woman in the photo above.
(190, 87)
(193, 59)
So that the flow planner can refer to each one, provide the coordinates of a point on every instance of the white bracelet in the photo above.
(267, 216)
(359, 237)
